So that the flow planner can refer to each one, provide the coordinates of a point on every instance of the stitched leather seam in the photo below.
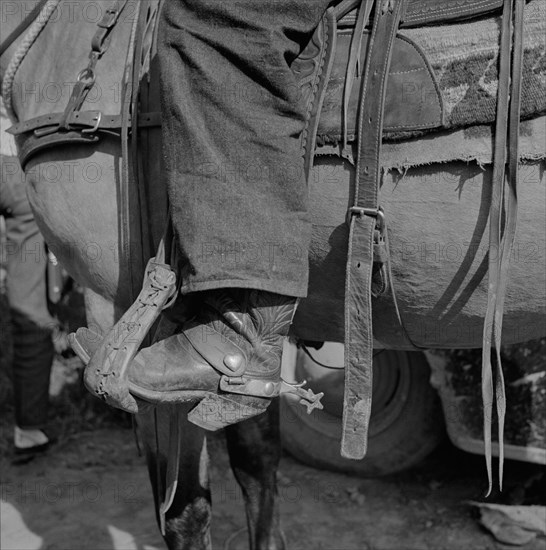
(416, 16)
(316, 82)
(413, 126)
(409, 71)
(430, 71)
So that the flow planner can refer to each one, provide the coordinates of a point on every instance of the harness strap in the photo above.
(71, 125)
(87, 122)
(86, 78)
(353, 66)
(366, 225)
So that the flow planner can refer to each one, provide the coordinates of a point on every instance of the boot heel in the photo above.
(217, 411)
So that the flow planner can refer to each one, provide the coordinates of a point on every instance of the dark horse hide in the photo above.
(100, 202)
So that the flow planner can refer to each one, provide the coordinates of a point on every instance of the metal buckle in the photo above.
(109, 18)
(86, 77)
(97, 118)
(376, 213)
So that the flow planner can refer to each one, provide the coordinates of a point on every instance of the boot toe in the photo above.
(171, 368)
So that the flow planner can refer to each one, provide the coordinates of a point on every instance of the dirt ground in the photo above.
(91, 492)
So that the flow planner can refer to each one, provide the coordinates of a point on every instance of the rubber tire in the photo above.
(409, 432)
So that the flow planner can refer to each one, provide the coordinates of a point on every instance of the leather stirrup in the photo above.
(106, 373)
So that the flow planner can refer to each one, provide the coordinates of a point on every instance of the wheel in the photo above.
(406, 423)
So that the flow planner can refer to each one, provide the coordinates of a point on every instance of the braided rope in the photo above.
(35, 29)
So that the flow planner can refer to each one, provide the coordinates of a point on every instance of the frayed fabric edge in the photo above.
(470, 145)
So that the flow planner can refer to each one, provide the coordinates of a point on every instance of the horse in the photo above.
(90, 247)
(103, 220)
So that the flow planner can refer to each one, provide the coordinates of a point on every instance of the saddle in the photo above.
(382, 79)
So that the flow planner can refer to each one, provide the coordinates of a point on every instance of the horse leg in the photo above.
(187, 520)
(101, 314)
(254, 452)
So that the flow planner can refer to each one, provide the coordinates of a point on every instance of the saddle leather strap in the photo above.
(366, 227)
(508, 113)
(148, 99)
(427, 12)
(127, 169)
(353, 66)
(145, 22)
(73, 126)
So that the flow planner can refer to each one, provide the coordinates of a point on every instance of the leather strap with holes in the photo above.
(365, 216)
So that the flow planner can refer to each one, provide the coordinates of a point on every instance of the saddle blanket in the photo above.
(470, 144)
(463, 61)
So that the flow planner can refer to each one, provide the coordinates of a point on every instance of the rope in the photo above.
(35, 29)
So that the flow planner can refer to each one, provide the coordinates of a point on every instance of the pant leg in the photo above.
(31, 322)
(232, 122)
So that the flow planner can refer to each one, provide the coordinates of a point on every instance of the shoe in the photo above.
(24, 448)
(228, 356)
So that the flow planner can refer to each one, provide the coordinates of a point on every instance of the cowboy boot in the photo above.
(229, 356)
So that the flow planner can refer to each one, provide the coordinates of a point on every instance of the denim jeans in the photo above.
(233, 116)
(31, 322)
